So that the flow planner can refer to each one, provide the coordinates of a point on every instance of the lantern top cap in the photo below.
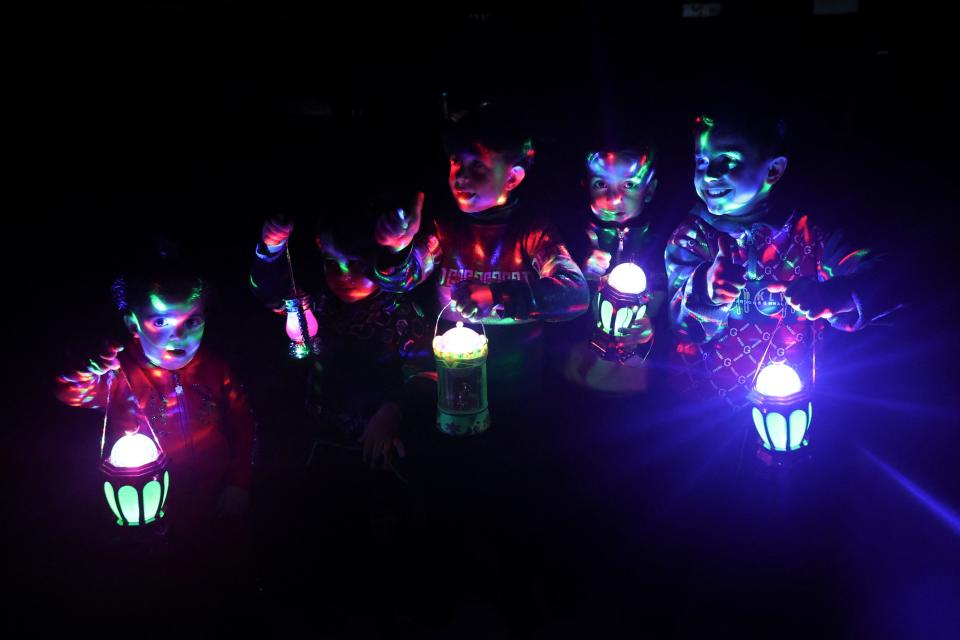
(459, 340)
(778, 380)
(627, 277)
(133, 450)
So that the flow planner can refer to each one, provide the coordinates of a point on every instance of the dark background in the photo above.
(200, 120)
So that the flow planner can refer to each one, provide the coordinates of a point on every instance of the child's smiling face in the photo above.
(731, 175)
(481, 178)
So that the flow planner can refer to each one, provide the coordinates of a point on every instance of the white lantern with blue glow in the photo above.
(620, 302)
(782, 409)
(461, 355)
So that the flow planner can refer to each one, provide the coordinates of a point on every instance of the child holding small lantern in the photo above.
(621, 182)
(166, 383)
(751, 286)
(496, 261)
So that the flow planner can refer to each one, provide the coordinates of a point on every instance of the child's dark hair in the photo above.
(162, 271)
(494, 127)
(765, 129)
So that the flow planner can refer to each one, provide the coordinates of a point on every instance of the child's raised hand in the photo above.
(275, 233)
(472, 299)
(76, 386)
(597, 264)
(395, 229)
(815, 299)
(381, 436)
(725, 278)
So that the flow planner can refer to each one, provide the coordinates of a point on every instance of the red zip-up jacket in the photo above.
(199, 414)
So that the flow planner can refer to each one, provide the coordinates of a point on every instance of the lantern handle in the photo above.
(449, 305)
(111, 376)
(153, 434)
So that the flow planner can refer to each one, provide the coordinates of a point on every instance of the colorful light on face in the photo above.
(170, 331)
(481, 179)
(345, 273)
(620, 184)
(730, 176)
(133, 450)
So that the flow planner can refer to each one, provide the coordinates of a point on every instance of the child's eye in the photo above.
(630, 185)
(701, 162)
(478, 166)
(731, 163)
(159, 322)
(599, 184)
(194, 322)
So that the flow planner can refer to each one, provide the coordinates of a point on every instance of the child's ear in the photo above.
(515, 177)
(652, 189)
(130, 321)
(776, 169)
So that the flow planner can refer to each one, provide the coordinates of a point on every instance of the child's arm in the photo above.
(410, 254)
(241, 431)
(844, 292)
(702, 283)
(559, 292)
(269, 276)
(86, 386)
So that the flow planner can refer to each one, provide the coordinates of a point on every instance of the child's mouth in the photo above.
(466, 197)
(717, 193)
(177, 353)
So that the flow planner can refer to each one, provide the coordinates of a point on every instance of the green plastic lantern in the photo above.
(136, 474)
(461, 355)
(782, 410)
(620, 302)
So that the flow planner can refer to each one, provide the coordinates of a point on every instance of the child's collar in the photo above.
(496, 214)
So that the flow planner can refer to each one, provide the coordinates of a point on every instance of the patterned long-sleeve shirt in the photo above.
(727, 344)
(520, 256)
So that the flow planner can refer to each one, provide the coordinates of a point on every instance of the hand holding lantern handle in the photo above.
(815, 299)
(472, 299)
(397, 228)
(725, 278)
(275, 233)
(77, 387)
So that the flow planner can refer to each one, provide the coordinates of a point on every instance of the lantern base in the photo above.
(463, 425)
(301, 350)
(783, 459)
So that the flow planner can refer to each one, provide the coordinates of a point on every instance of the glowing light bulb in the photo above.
(133, 450)
(778, 380)
(293, 325)
(459, 341)
(628, 278)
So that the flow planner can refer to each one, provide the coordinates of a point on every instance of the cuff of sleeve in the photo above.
(263, 253)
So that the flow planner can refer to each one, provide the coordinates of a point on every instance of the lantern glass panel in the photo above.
(798, 428)
(166, 488)
(129, 504)
(108, 491)
(758, 423)
(151, 500)
(777, 426)
(606, 315)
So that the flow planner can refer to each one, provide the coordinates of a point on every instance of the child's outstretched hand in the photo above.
(472, 299)
(381, 436)
(75, 387)
(725, 278)
(396, 229)
(597, 264)
(275, 233)
(815, 299)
